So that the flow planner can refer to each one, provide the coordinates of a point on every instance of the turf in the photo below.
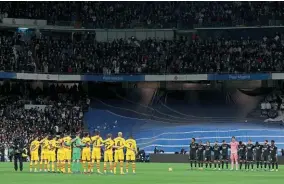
(149, 173)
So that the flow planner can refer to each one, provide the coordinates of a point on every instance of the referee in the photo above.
(18, 146)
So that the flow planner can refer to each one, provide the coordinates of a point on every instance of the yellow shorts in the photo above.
(60, 155)
(51, 156)
(44, 155)
(67, 154)
(108, 156)
(86, 154)
(118, 155)
(34, 156)
(96, 154)
(130, 156)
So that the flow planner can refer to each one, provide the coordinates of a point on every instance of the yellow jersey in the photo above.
(34, 146)
(52, 145)
(44, 145)
(109, 143)
(97, 141)
(131, 145)
(119, 142)
(67, 142)
(87, 142)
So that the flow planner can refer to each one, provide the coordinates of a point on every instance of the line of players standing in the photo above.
(264, 156)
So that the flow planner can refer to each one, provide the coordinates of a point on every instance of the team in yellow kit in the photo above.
(90, 153)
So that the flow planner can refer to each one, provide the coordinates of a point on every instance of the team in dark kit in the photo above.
(264, 156)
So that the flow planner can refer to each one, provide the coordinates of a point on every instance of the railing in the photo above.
(178, 24)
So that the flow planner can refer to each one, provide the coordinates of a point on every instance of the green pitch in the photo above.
(148, 173)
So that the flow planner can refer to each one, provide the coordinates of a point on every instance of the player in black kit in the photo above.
(265, 154)
(249, 153)
(273, 155)
(208, 150)
(242, 154)
(216, 151)
(200, 157)
(224, 157)
(192, 153)
(258, 153)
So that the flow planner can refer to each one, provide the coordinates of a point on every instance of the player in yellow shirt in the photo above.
(118, 153)
(67, 152)
(44, 154)
(97, 143)
(60, 154)
(108, 153)
(131, 151)
(86, 153)
(34, 155)
(51, 154)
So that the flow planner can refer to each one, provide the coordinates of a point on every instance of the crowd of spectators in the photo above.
(132, 56)
(148, 14)
(32, 113)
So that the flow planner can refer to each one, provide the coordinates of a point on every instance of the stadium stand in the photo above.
(37, 112)
(148, 14)
(132, 56)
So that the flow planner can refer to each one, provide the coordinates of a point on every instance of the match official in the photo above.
(18, 146)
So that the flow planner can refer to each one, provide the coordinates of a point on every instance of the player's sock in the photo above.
(84, 166)
(232, 165)
(92, 165)
(195, 164)
(251, 165)
(272, 165)
(215, 165)
(237, 165)
(241, 164)
(227, 164)
(276, 165)
(45, 166)
(31, 166)
(219, 165)
(222, 165)
(246, 165)
(269, 165)
(75, 166)
(35, 166)
(257, 165)
(105, 167)
(98, 165)
(111, 167)
(199, 164)
(191, 164)
(121, 166)
(41, 166)
(210, 165)
(133, 167)
(265, 165)
(58, 166)
(114, 167)
(126, 167)
(78, 165)
(206, 165)
(261, 165)
(52, 166)
(69, 166)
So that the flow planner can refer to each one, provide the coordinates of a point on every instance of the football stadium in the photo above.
(141, 92)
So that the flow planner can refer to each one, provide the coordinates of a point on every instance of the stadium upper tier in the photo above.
(148, 14)
(230, 52)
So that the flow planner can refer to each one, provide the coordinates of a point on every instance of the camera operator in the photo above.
(18, 147)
